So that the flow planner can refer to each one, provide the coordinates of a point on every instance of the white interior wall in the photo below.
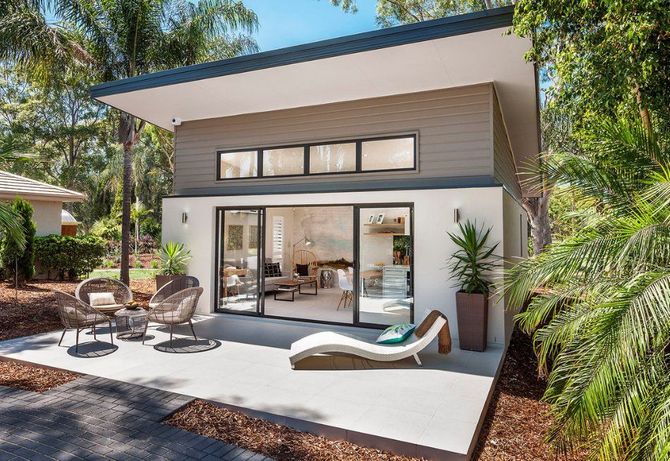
(47, 217)
(433, 217)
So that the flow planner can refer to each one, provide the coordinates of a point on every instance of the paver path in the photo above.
(100, 419)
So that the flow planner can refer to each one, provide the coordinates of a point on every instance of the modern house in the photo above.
(47, 202)
(347, 160)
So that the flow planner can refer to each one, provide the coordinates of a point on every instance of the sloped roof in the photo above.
(12, 185)
(67, 219)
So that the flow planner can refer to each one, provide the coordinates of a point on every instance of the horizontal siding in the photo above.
(503, 159)
(453, 127)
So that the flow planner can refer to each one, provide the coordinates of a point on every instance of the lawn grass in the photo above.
(135, 274)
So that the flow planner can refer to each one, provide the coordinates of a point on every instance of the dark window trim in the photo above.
(260, 305)
(358, 142)
(259, 163)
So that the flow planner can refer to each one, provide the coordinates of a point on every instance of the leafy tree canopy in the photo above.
(603, 57)
(394, 12)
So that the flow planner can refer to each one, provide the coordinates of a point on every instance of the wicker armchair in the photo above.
(173, 287)
(76, 314)
(122, 294)
(175, 310)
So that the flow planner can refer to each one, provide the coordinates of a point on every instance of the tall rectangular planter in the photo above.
(473, 318)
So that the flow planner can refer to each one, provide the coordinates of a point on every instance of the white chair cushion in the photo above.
(101, 299)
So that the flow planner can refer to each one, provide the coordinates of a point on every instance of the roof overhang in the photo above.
(443, 53)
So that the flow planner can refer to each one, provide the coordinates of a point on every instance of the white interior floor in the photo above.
(434, 411)
(324, 307)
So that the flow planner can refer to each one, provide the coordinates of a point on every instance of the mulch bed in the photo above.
(517, 421)
(279, 442)
(33, 378)
(34, 311)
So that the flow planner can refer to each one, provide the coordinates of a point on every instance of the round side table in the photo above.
(130, 323)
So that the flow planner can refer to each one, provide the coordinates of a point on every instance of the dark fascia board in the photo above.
(349, 186)
(367, 41)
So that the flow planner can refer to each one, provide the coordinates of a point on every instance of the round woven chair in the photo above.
(175, 310)
(172, 287)
(122, 294)
(77, 315)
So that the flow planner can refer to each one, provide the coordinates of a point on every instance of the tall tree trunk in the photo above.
(537, 209)
(644, 111)
(127, 139)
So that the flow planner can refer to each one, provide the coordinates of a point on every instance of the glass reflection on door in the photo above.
(239, 256)
(385, 265)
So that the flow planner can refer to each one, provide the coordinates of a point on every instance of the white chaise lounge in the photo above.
(328, 342)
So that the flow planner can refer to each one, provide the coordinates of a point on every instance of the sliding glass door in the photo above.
(343, 264)
(385, 252)
(239, 258)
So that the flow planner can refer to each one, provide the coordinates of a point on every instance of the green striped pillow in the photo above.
(396, 333)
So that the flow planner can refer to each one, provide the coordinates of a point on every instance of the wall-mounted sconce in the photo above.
(184, 217)
(457, 215)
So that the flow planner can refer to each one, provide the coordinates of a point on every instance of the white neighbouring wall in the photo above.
(433, 218)
(47, 217)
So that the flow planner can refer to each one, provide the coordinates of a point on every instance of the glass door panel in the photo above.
(385, 295)
(239, 259)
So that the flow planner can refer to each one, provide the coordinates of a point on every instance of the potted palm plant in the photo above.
(470, 265)
(174, 259)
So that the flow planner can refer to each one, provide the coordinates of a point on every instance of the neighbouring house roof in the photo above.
(66, 218)
(443, 53)
(13, 185)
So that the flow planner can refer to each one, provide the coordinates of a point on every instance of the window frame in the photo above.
(236, 151)
(358, 142)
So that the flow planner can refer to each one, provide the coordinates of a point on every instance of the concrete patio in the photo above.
(435, 411)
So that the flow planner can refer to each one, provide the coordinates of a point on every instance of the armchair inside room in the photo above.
(305, 263)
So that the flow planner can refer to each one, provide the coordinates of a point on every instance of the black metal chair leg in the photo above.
(62, 336)
(192, 330)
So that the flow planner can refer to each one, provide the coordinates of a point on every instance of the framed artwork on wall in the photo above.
(371, 219)
(235, 237)
(380, 218)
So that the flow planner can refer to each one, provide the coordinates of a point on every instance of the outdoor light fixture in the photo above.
(457, 215)
(184, 217)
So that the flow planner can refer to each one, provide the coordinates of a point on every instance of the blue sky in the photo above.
(292, 22)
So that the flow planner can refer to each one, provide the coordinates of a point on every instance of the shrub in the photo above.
(14, 257)
(152, 228)
(69, 256)
(155, 264)
(174, 258)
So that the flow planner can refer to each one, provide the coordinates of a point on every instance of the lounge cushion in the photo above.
(302, 269)
(396, 333)
(101, 299)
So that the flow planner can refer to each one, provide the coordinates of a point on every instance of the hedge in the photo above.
(69, 256)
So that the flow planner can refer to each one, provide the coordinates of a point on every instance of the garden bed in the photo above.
(32, 309)
(276, 441)
(517, 421)
(31, 377)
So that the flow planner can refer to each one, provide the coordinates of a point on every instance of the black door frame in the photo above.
(260, 302)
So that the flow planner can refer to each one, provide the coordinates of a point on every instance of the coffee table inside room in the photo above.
(293, 285)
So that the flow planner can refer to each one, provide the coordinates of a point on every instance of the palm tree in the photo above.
(122, 39)
(600, 300)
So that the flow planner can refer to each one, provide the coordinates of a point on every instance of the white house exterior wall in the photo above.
(433, 218)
